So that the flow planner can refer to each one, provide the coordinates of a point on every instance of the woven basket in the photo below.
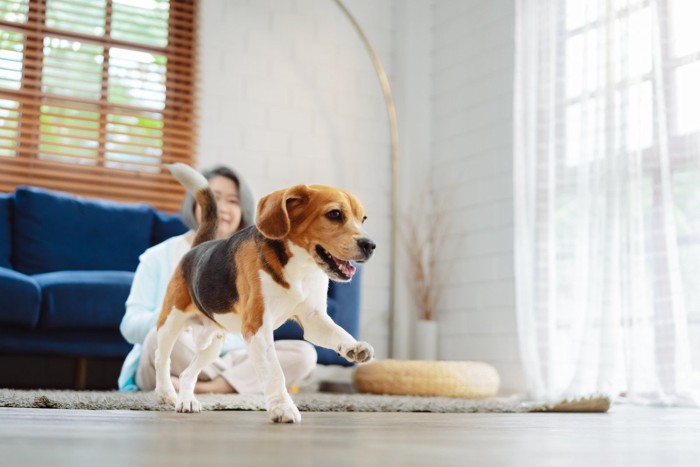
(469, 380)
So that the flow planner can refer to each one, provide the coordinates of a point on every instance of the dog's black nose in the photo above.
(367, 246)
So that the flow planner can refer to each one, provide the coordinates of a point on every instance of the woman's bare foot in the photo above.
(216, 386)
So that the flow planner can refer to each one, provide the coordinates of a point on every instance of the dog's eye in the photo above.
(335, 215)
(364, 219)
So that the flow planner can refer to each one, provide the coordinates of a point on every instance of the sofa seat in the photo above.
(21, 299)
(83, 299)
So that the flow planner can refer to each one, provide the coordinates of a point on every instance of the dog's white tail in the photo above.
(198, 186)
(192, 180)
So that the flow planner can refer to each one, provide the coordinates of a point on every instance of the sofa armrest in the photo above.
(344, 310)
(6, 209)
(346, 296)
(21, 299)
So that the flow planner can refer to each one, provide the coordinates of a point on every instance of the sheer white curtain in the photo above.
(607, 197)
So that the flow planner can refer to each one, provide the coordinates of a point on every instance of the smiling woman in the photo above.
(95, 96)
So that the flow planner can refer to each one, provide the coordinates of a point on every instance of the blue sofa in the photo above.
(66, 266)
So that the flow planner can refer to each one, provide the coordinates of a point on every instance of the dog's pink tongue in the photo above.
(348, 269)
(345, 267)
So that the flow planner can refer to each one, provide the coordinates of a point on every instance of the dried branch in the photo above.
(425, 231)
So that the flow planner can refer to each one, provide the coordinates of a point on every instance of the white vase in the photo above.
(426, 340)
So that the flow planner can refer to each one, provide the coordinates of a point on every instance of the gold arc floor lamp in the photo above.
(391, 111)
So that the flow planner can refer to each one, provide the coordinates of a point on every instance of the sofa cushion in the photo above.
(55, 231)
(21, 298)
(165, 226)
(83, 299)
(5, 229)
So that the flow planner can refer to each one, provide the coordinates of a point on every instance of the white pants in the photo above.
(297, 359)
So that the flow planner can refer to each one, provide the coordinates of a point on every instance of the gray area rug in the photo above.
(307, 402)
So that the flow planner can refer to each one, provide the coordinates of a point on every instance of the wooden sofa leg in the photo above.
(79, 373)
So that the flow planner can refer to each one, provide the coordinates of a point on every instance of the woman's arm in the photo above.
(143, 304)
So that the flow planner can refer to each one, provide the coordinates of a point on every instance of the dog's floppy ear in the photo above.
(273, 218)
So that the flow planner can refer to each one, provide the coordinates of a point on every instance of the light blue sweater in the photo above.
(144, 303)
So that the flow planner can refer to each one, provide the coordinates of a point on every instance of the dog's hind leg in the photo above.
(186, 402)
(166, 336)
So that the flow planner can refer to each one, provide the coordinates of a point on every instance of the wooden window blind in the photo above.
(96, 94)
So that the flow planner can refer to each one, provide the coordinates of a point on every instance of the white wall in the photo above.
(472, 161)
(453, 81)
(412, 87)
(288, 95)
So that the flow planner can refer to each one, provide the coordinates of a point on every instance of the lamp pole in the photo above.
(391, 112)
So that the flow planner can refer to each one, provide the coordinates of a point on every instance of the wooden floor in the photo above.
(627, 436)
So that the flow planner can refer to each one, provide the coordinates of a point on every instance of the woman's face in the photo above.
(227, 203)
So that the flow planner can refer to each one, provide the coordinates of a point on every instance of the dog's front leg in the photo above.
(320, 329)
(278, 403)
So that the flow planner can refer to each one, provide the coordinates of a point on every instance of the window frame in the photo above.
(680, 161)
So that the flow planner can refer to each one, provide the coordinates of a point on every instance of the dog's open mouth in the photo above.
(342, 268)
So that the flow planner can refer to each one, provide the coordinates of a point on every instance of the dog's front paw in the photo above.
(187, 404)
(284, 412)
(359, 352)
(166, 395)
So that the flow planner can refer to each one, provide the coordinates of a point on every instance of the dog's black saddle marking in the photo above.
(210, 269)
(210, 272)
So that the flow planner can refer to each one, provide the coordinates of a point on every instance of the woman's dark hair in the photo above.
(188, 204)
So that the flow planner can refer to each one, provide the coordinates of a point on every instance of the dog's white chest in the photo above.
(308, 285)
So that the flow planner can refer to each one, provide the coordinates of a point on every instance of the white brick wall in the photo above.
(472, 162)
(288, 95)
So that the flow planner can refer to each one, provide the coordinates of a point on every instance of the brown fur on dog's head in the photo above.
(325, 221)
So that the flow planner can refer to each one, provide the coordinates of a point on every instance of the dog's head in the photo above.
(325, 221)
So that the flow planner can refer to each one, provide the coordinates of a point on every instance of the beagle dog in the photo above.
(257, 279)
